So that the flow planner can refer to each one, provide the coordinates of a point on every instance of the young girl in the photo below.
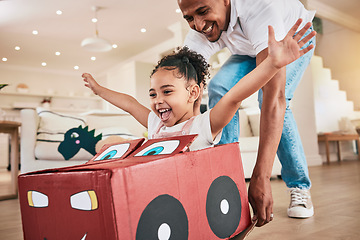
(175, 87)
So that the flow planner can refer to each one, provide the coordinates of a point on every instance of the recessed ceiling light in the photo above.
(43, 64)
(57, 53)
(94, 20)
(4, 59)
(35, 32)
(178, 10)
(93, 58)
(76, 67)
(58, 12)
(143, 30)
(114, 46)
(17, 48)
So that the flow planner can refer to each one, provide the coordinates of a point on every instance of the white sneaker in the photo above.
(300, 204)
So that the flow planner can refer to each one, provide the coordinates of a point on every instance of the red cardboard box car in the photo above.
(134, 191)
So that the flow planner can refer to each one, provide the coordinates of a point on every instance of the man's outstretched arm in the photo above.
(271, 124)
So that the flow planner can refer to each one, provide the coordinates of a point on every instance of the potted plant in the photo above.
(3, 85)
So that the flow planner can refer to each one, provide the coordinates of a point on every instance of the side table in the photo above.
(12, 128)
(337, 137)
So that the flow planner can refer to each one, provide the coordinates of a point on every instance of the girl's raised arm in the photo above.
(120, 100)
(280, 54)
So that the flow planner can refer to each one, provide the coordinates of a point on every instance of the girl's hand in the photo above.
(91, 83)
(288, 50)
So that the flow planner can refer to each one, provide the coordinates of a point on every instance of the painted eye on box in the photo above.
(159, 148)
(86, 200)
(114, 151)
(37, 199)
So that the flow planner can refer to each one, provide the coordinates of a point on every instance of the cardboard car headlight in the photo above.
(157, 191)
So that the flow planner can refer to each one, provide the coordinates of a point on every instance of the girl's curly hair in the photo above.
(189, 64)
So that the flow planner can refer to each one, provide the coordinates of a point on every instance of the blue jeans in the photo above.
(290, 150)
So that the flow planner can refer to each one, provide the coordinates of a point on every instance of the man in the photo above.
(241, 26)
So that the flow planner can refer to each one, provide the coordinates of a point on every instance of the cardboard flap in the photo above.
(164, 146)
(246, 232)
(116, 151)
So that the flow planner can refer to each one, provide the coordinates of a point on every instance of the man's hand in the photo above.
(260, 198)
(288, 50)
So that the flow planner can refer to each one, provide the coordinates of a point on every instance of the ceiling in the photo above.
(119, 21)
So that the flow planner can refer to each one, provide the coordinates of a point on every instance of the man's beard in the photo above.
(221, 31)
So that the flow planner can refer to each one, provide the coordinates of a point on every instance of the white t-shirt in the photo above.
(200, 126)
(247, 33)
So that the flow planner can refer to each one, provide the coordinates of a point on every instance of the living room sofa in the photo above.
(43, 130)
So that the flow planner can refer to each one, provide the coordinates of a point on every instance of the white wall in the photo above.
(303, 107)
(132, 78)
(340, 49)
(67, 90)
(143, 71)
(42, 81)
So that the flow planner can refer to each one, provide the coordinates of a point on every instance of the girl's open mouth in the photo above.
(164, 114)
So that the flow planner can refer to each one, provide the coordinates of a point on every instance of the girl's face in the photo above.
(171, 98)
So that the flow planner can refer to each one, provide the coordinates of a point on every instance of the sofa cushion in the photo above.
(253, 115)
(50, 133)
(254, 120)
(50, 122)
(53, 127)
(249, 144)
(245, 129)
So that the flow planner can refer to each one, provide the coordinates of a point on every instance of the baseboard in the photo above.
(314, 160)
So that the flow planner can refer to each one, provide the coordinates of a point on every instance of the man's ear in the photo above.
(194, 93)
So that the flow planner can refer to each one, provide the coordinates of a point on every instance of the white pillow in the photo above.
(245, 129)
(254, 119)
(53, 126)
(53, 122)
(50, 133)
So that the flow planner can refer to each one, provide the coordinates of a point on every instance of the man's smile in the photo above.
(208, 29)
